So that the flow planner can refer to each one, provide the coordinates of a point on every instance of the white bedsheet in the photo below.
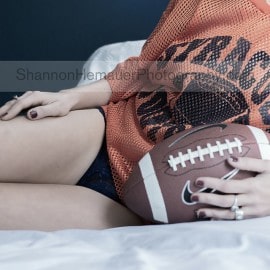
(208, 245)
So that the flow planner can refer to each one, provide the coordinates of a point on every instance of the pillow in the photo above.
(104, 59)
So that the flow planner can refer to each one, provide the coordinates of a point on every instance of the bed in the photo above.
(209, 245)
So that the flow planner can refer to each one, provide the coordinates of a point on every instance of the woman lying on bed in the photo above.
(64, 165)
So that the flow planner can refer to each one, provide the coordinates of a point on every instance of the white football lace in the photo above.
(200, 153)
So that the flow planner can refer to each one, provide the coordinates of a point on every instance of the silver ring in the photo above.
(239, 214)
(235, 206)
(15, 97)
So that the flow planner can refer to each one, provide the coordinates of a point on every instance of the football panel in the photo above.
(137, 201)
(142, 193)
(153, 190)
(263, 141)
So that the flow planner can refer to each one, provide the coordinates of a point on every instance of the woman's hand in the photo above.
(42, 104)
(253, 194)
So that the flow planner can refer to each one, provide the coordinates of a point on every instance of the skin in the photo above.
(51, 171)
(42, 158)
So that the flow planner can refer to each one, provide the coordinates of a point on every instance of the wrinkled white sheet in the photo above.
(209, 245)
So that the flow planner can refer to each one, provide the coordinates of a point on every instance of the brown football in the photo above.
(160, 186)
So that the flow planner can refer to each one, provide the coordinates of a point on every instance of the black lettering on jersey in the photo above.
(258, 95)
(265, 113)
(246, 79)
(210, 55)
(191, 47)
(155, 113)
(169, 52)
(153, 106)
(235, 60)
(203, 98)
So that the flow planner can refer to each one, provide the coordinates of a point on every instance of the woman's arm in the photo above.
(45, 104)
(90, 95)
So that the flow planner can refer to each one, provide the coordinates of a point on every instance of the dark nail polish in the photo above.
(234, 158)
(199, 183)
(33, 114)
(195, 198)
(201, 215)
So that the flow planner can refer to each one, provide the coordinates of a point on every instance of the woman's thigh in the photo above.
(51, 150)
(50, 207)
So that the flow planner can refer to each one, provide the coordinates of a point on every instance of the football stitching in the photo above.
(200, 153)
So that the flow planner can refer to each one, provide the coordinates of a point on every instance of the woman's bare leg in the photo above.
(51, 150)
(51, 155)
(50, 207)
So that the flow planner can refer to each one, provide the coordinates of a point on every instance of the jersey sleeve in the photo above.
(130, 76)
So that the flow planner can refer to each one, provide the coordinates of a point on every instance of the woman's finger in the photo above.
(50, 110)
(225, 201)
(24, 95)
(6, 107)
(226, 214)
(250, 164)
(29, 100)
(230, 186)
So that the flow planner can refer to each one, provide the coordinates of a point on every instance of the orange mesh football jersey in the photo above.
(206, 61)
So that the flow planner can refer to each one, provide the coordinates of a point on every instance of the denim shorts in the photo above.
(98, 176)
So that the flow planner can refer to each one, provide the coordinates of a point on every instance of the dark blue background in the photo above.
(71, 29)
